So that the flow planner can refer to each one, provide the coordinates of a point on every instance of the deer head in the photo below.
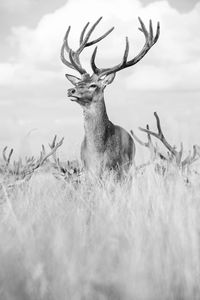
(89, 88)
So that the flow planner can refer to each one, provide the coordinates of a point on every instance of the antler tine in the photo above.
(150, 40)
(145, 144)
(148, 135)
(158, 125)
(157, 32)
(92, 62)
(65, 46)
(179, 154)
(143, 28)
(126, 51)
(10, 154)
(66, 39)
(191, 158)
(74, 58)
(83, 32)
(52, 145)
(100, 38)
(187, 160)
(4, 153)
(95, 69)
(43, 150)
(150, 30)
(7, 159)
(197, 150)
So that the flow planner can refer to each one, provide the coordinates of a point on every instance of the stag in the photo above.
(105, 145)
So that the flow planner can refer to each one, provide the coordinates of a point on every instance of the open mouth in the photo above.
(73, 98)
(78, 99)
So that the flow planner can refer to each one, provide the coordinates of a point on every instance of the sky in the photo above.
(33, 89)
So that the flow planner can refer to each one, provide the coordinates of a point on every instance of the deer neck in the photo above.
(96, 124)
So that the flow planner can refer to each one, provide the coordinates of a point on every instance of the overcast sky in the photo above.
(33, 88)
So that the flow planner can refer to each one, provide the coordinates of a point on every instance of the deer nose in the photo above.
(72, 91)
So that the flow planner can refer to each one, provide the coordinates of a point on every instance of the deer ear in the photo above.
(73, 79)
(108, 79)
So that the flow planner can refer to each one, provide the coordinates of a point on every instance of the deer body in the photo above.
(105, 145)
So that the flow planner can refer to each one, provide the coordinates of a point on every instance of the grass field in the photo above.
(99, 239)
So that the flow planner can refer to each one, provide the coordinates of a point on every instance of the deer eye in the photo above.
(93, 86)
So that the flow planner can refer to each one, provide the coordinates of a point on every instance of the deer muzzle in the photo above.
(72, 94)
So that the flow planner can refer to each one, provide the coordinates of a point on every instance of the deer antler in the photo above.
(161, 137)
(65, 170)
(32, 164)
(56, 160)
(191, 158)
(74, 62)
(23, 171)
(150, 40)
(149, 144)
(44, 156)
(5, 157)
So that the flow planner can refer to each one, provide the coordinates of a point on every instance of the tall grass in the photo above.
(100, 239)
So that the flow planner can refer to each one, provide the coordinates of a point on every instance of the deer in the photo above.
(105, 146)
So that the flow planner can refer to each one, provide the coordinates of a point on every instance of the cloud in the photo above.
(21, 74)
(171, 64)
(16, 5)
(180, 5)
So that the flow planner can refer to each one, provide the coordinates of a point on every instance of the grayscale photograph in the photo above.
(100, 150)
